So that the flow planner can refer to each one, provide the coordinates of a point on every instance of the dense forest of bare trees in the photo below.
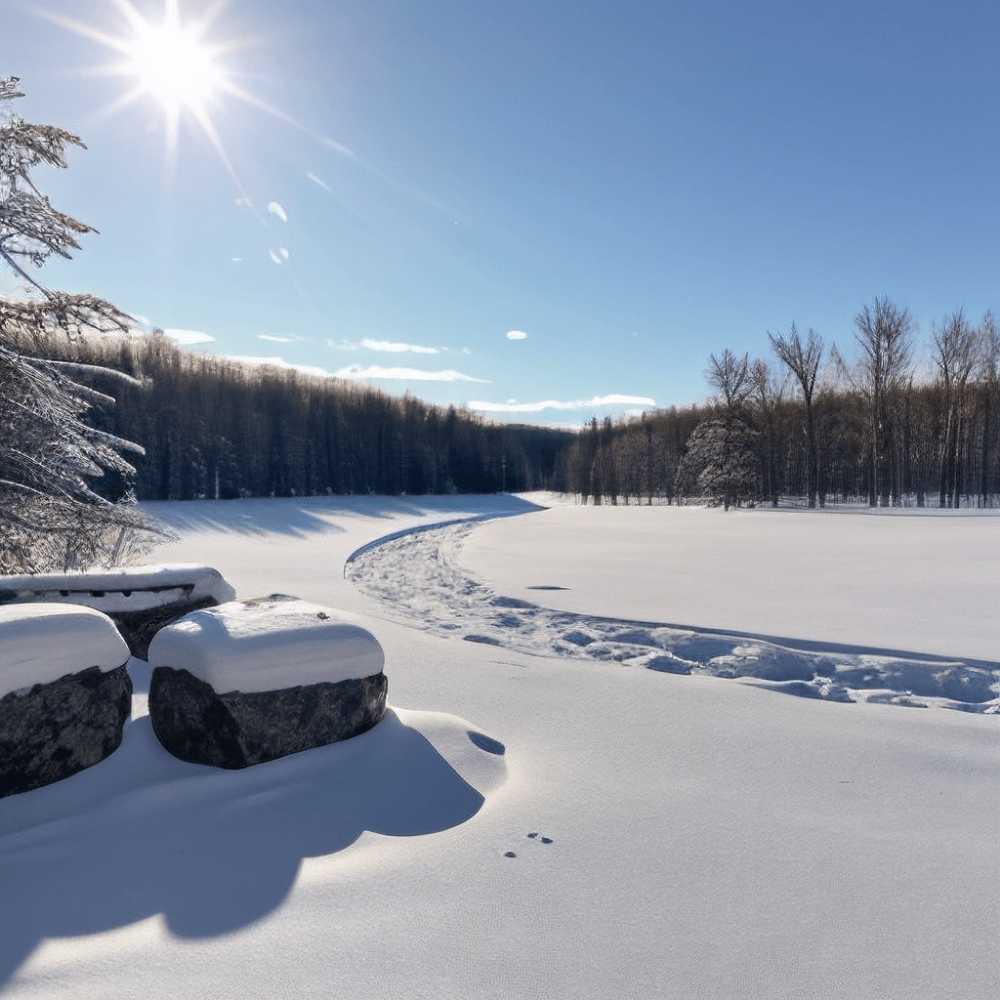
(218, 428)
(883, 429)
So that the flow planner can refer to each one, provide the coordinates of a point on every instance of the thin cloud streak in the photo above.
(281, 363)
(188, 336)
(383, 345)
(553, 404)
(356, 372)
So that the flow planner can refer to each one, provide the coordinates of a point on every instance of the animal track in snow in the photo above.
(420, 581)
(534, 836)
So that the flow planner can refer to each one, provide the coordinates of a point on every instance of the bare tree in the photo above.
(884, 333)
(956, 354)
(989, 379)
(731, 376)
(763, 403)
(803, 361)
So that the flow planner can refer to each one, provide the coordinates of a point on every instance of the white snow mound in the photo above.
(129, 588)
(39, 643)
(267, 645)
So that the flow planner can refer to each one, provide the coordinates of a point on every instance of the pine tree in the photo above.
(720, 464)
(50, 516)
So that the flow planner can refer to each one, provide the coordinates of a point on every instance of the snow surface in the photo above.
(267, 645)
(39, 643)
(535, 823)
(422, 577)
(130, 588)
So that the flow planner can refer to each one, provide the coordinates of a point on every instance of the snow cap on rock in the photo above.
(39, 643)
(127, 588)
(267, 644)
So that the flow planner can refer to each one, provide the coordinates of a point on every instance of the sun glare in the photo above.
(173, 62)
(173, 66)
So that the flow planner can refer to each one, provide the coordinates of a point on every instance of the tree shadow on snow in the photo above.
(142, 833)
(301, 517)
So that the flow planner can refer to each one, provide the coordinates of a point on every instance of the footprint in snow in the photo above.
(535, 836)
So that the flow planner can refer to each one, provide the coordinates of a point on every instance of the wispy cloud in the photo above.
(282, 363)
(275, 209)
(406, 374)
(517, 335)
(276, 338)
(188, 337)
(382, 345)
(279, 256)
(385, 345)
(554, 404)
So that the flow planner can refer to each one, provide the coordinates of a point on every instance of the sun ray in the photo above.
(220, 149)
(172, 62)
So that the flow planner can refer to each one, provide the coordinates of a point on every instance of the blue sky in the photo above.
(628, 186)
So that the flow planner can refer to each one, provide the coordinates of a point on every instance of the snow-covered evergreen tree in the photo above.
(50, 517)
(720, 463)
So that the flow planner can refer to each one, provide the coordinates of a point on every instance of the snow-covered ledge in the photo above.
(251, 681)
(140, 599)
(65, 692)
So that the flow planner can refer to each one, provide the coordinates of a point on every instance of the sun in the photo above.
(173, 65)
(170, 61)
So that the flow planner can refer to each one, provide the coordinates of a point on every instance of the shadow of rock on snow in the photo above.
(143, 833)
(418, 577)
(301, 517)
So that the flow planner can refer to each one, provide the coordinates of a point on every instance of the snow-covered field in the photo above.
(553, 808)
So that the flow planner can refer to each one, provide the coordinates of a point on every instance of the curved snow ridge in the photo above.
(393, 535)
(418, 576)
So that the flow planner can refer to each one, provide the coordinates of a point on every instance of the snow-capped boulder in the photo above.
(65, 692)
(250, 681)
(140, 599)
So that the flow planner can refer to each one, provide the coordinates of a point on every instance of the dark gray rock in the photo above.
(234, 730)
(56, 729)
(139, 627)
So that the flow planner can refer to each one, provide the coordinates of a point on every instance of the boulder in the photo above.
(65, 692)
(251, 681)
(139, 599)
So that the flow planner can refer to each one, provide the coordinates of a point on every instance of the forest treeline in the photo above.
(891, 428)
(888, 429)
(217, 428)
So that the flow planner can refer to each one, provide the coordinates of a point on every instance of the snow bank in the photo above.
(39, 643)
(131, 588)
